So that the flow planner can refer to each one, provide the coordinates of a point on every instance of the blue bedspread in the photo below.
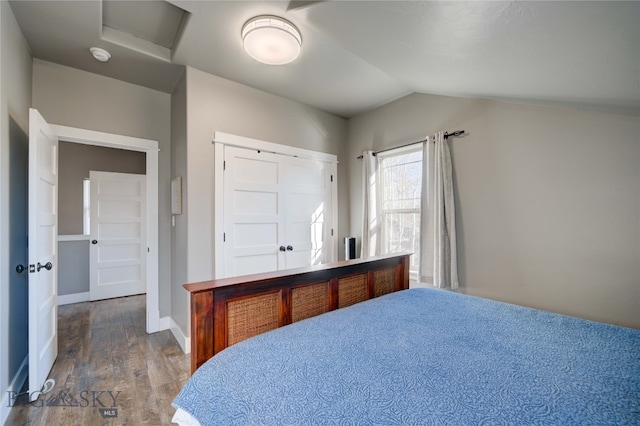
(424, 356)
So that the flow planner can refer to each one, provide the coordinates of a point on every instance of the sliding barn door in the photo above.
(276, 212)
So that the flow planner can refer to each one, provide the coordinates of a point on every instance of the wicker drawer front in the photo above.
(384, 281)
(352, 290)
(250, 316)
(309, 301)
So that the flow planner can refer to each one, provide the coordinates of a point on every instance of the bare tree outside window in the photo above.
(400, 174)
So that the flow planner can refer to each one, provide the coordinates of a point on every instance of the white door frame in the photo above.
(220, 140)
(150, 148)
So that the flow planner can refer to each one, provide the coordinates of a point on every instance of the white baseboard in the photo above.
(164, 323)
(183, 341)
(14, 387)
(68, 299)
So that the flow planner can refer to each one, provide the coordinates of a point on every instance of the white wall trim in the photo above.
(165, 323)
(183, 341)
(68, 299)
(16, 384)
(218, 203)
(109, 140)
(153, 284)
(257, 144)
(63, 238)
(334, 213)
(150, 147)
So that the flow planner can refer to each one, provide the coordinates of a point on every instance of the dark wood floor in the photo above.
(103, 347)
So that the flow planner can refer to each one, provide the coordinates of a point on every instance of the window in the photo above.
(400, 174)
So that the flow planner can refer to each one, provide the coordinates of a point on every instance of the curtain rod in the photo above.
(446, 135)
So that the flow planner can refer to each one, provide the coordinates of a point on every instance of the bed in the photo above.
(423, 356)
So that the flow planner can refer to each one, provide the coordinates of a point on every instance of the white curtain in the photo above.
(438, 259)
(370, 226)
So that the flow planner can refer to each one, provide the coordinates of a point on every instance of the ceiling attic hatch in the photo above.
(149, 27)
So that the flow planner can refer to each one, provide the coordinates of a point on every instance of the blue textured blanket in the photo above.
(424, 356)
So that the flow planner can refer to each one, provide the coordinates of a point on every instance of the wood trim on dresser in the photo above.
(242, 307)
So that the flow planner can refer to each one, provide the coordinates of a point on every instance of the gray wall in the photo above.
(73, 267)
(70, 97)
(548, 199)
(179, 301)
(75, 162)
(216, 104)
(15, 98)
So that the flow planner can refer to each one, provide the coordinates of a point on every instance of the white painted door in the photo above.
(43, 262)
(276, 212)
(118, 235)
(308, 212)
(253, 212)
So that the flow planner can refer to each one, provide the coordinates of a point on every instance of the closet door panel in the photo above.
(253, 212)
(308, 206)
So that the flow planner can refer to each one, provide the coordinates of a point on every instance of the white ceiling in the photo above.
(358, 55)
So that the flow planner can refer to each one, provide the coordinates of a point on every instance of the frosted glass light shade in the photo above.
(271, 40)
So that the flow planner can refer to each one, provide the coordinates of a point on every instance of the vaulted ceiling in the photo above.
(357, 55)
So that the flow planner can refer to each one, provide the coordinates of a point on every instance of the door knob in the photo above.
(48, 266)
(282, 248)
(94, 241)
(290, 248)
(20, 269)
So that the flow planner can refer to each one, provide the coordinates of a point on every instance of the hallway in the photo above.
(109, 371)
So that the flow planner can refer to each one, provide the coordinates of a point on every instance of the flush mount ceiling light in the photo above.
(100, 54)
(271, 40)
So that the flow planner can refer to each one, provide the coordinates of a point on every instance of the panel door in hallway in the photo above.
(118, 235)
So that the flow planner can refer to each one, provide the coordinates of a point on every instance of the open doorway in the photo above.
(78, 258)
(149, 149)
(43, 207)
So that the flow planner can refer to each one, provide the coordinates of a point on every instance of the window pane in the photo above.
(400, 191)
(401, 181)
(402, 234)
